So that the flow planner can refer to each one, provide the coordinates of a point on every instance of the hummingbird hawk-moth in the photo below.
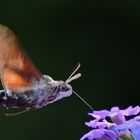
(24, 85)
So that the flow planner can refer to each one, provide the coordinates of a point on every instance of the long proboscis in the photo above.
(83, 100)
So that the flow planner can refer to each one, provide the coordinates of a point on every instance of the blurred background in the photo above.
(102, 35)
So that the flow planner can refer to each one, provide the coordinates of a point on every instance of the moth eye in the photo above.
(64, 88)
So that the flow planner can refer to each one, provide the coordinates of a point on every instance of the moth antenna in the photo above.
(18, 113)
(83, 100)
(71, 77)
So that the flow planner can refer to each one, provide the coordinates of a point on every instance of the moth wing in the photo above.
(16, 69)
(14, 80)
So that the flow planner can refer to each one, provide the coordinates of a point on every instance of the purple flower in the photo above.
(100, 134)
(116, 115)
(133, 125)
(111, 125)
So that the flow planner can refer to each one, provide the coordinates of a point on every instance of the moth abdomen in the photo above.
(15, 101)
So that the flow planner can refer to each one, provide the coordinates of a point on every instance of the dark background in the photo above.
(102, 35)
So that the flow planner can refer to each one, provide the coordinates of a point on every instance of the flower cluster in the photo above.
(114, 124)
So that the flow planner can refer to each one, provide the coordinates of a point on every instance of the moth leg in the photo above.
(2, 91)
(18, 113)
(3, 95)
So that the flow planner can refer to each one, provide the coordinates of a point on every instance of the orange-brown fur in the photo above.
(16, 69)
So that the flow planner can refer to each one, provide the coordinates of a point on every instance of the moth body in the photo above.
(44, 92)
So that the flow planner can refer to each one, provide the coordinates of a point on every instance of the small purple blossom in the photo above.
(113, 125)
(133, 125)
(101, 134)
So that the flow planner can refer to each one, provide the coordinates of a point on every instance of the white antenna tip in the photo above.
(74, 78)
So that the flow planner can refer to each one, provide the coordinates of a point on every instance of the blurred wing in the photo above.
(14, 81)
(16, 69)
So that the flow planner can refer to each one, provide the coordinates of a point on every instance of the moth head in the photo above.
(57, 90)
(62, 90)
